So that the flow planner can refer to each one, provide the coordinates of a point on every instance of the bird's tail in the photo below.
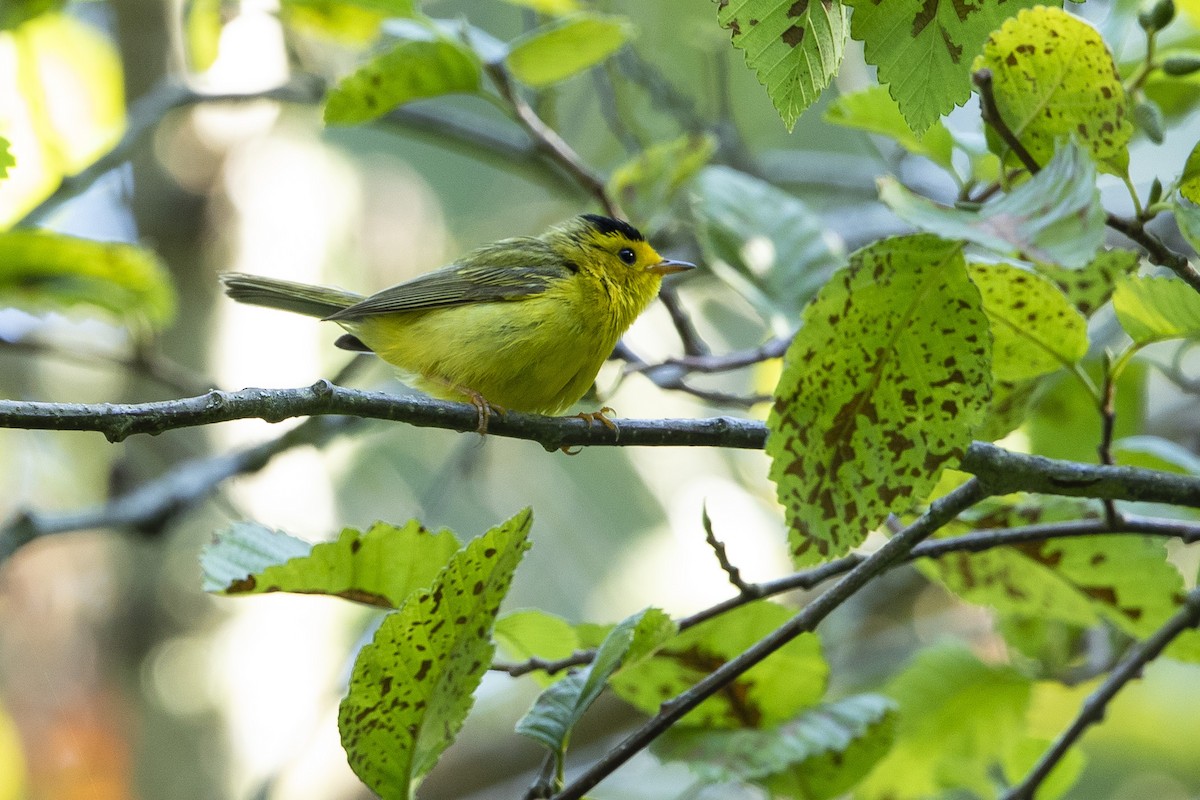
(300, 298)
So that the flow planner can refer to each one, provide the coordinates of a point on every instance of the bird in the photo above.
(523, 323)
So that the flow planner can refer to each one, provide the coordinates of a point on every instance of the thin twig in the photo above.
(693, 342)
(773, 348)
(1133, 229)
(1093, 709)
(940, 512)
(718, 547)
(666, 375)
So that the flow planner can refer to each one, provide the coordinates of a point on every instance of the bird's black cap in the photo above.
(609, 226)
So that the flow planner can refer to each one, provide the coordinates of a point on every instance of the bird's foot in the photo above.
(484, 409)
(589, 417)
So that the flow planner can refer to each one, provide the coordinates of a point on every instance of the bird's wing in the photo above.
(486, 275)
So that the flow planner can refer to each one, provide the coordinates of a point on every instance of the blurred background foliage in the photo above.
(120, 679)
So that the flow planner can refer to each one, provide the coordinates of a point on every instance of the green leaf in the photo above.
(923, 48)
(1054, 78)
(1054, 217)
(792, 678)
(1155, 309)
(1035, 329)
(380, 567)
(42, 270)
(1189, 181)
(874, 111)
(565, 47)
(880, 390)
(202, 33)
(555, 7)
(1187, 217)
(16, 12)
(533, 633)
(1091, 287)
(412, 686)
(1007, 409)
(1022, 758)
(817, 755)
(957, 719)
(1064, 421)
(648, 184)
(794, 48)
(1155, 452)
(411, 70)
(778, 261)
(559, 708)
(7, 161)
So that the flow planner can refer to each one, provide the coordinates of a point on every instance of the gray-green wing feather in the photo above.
(505, 270)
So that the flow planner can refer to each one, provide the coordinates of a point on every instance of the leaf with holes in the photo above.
(794, 47)
(380, 567)
(1055, 217)
(874, 111)
(412, 686)
(1053, 78)
(1035, 329)
(923, 48)
(880, 390)
(411, 70)
(1156, 309)
(819, 754)
(792, 678)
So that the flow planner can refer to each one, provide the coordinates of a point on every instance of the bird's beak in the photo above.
(667, 266)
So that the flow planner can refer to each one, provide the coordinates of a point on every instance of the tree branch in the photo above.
(897, 548)
(1093, 709)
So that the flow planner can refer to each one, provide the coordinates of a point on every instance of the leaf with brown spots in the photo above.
(792, 678)
(923, 48)
(411, 70)
(821, 753)
(1035, 329)
(794, 47)
(1054, 77)
(379, 567)
(880, 389)
(1091, 287)
(1055, 217)
(412, 686)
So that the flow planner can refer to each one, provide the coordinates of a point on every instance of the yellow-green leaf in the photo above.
(1154, 309)
(880, 389)
(1189, 181)
(1035, 329)
(41, 270)
(556, 7)
(794, 48)
(409, 71)
(1090, 287)
(923, 48)
(412, 686)
(648, 184)
(6, 157)
(1053, 78)
(874, 111)
(565, 47)
(380, 566)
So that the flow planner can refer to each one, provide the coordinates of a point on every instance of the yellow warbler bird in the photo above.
(523, 323)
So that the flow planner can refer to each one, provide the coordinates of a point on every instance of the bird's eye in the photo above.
(627, 255)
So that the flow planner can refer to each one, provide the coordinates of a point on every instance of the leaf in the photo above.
(380, 567)
(559, 708)
(1007, 409)
(411, 70)
(1054, 217)
(880, 390)
(1054, 78)
(1064, 421)
(42, 270)
(411, 687)
(874, 111)
(957, 718)
(1035, 329)
(1189, 181)
(794, 48)
(1155, 452)
(565, 47)
(1187, 217)
(1022, 758)
(779, 260)
(7, 161)
(533, 633)
(1155, 309)
(1091, 287)
(923, 48)
(792, 678)
(648, 184)
(817, 755)
(17, 12)
(555, 7)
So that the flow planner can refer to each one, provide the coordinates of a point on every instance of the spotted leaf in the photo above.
(1090, 287)
(923, 48)
(794, 47)
(411, 687)
(1053, 77)
(880, 390)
